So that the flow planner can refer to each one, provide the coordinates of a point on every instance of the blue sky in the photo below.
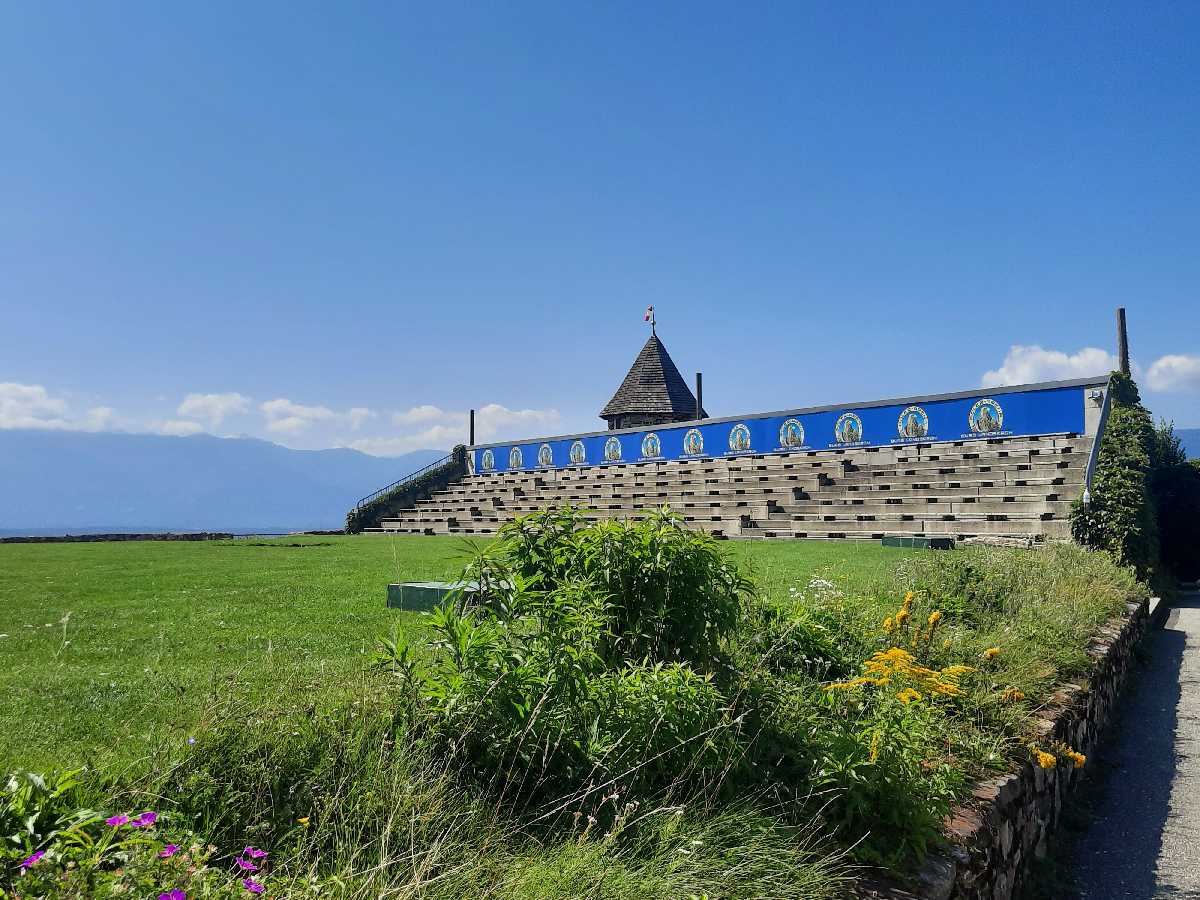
(345, 224)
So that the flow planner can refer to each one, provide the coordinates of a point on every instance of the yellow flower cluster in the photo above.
(991, 652)
(1076, 758)
(1050, 760)
(1012, 695)
(897, 665)
(904, 627)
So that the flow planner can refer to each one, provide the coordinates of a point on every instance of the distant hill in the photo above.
(57, 481)
(1191, 441)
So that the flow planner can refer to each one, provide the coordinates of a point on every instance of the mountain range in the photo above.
(55, 482)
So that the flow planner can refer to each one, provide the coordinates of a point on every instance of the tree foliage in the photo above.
(1120, 516)
(1175, 484)
(1145, 496)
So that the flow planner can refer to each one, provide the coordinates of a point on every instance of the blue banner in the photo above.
(1004, 414)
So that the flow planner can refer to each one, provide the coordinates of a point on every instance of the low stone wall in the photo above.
(1007, 822)
(119, 536)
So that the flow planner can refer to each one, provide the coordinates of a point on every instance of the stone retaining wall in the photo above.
(1008, 820)
(119, 536)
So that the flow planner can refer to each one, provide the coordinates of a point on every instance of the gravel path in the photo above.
(1145, 840)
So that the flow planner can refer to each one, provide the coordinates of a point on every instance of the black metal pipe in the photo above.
(699, 395)
(472, 441)
(1122, 341)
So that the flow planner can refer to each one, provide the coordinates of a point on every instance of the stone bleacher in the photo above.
(1016, 487)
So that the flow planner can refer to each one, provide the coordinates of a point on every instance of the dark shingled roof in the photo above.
(653, 385)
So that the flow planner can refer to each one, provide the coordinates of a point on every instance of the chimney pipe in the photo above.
(1122, 341)
(699, 395)
(472, 444)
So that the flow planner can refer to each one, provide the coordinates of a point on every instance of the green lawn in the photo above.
(108, 649)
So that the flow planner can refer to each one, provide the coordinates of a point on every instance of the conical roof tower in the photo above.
(653, 393)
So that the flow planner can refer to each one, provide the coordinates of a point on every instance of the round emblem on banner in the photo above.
(693, 442)
(791, 433)
(578, 454)
(986, 416)
(515, 460)
(488, 461)
(913, 423)
(848, 429)
(651, 446)
(739, 438)
(545, 455)
(612, 449)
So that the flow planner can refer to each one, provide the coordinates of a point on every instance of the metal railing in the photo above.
(411, 476)
(1094, 455)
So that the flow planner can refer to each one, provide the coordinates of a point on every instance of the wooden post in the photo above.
(699, 395)
(1122, 341)
(472, 443)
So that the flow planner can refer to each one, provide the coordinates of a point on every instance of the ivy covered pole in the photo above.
(1122, 341)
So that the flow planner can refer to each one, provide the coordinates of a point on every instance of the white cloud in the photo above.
(100, 418)
(421, 427)
(496, 421)
(445, 428)
(1174, 372)
(213, 408)
(31, 406)
(1025, 365)
(419, 414)
(285, 416)
(359, 415)
(179, 427)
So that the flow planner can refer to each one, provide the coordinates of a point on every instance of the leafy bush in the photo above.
(670, 594)
(792, 640)
(590, 658)
(893, 781)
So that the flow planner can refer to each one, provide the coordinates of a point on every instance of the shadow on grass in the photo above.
(1111, 831)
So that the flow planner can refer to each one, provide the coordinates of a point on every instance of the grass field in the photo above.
(109, 649)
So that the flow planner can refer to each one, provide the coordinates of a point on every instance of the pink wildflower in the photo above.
(254, 853)
(245, 865)
(117, 821)
(33, 860)
(252, 886)
(168, 851)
